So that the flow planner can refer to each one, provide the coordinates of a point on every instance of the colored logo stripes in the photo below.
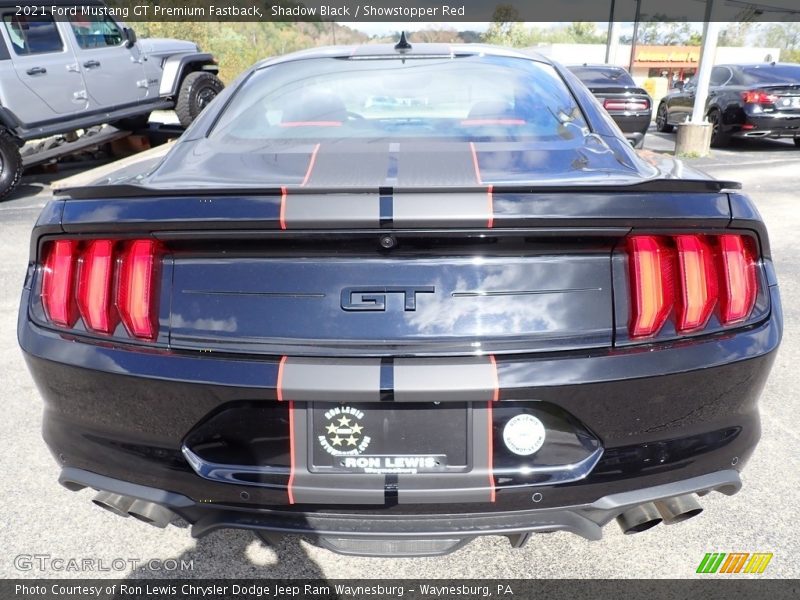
(734, 562)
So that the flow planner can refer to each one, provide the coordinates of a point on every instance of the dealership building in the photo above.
(654, 67)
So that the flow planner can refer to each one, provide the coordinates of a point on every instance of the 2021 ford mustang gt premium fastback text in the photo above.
(394, 298)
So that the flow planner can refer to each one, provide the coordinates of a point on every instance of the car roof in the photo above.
(427, 50)
(595, 66)
(759, 65)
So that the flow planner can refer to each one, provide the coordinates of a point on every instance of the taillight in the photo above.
(57, 290)
(698, 282)
(94, 286)
(629, 104)
(738, 278)
(104, 282)
(758, 97)
(692, 274)
(135, 300)
(651, 277)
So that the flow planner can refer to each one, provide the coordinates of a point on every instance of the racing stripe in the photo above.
(490, 428)
(329, 211)
(326, 488)
(331, 380)
(475, 163)
(431, 209)
(301, 381)
(283, 207)
(428, 488)
(445, 379)
(292, 454)
(311, 161)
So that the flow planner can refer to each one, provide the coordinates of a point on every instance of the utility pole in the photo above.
(710, 36)
(612, 41)
(635, 34)
(694, 135)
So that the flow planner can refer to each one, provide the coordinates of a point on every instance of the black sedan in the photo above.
(628, 104)
(393, 326)
(744, 101)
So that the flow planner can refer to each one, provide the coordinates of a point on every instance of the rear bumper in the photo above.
(663, 414)
(633, 126)
(772, 126)
(451, 530)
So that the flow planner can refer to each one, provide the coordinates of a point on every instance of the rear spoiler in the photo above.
(677, 186)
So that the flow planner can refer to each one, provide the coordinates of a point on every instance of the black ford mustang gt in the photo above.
(396, 298)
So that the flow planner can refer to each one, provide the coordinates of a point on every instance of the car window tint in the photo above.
(771, 74)
(400, 97)
(33, 34)
(608, 76)
(95, 31)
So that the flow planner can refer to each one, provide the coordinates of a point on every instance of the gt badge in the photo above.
(344, 432)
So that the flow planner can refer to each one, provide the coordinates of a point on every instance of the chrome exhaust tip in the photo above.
(680, 508)
(115, 503)
(151, 513)
(639, 518)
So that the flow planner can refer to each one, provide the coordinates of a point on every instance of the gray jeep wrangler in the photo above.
(62, 73)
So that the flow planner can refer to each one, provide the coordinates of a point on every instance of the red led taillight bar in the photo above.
(690, 276)
(104, 282)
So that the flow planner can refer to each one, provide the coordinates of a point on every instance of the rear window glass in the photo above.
(771, 74)
(462, 97)
(607, 76)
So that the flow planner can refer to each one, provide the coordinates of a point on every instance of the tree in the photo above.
(506, 29)
(428, 34)
(735, 34)
(782, 35)
(657, 32)
(584, 32)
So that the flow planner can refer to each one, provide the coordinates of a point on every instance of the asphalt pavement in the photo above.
(38, 518)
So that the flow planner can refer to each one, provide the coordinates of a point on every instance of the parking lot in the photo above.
(38, 517)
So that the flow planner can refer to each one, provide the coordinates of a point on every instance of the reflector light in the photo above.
(57, 297)
(135, 300)
(651, 281)
(94, 286)
(698, 289)
(737, 279)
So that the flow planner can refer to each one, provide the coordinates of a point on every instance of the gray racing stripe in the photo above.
(329, 211)
(327, 488)
(475, 486)
(466, 209)
(332, 380)
(444, 380)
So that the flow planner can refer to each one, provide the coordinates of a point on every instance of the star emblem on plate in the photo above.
(351, 441)
(331, 429)
(344, 421)
(337, 441)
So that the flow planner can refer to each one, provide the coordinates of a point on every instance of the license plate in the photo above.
(789, 102)
(390, 438)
